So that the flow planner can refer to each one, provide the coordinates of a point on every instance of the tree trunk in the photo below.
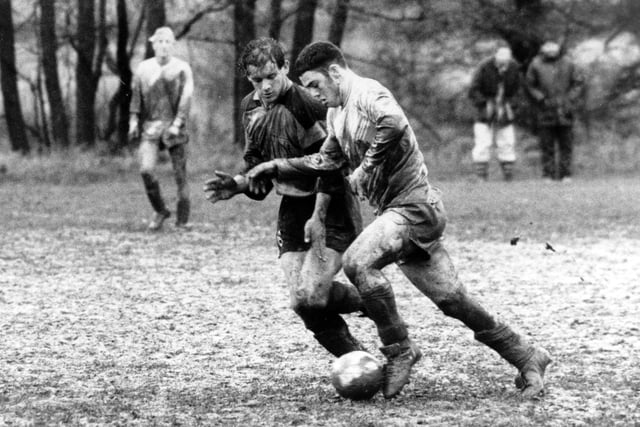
(124, 71)
(303, 29)
(9, 81)
(244, 32)
(85, 91)
(524, 33)
(276, 19)
(338, 22)
(60, 123)
(156, 17)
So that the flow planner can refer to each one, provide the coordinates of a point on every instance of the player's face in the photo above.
(502, 65)
(162, 45)
(322, 86)
(269, 81)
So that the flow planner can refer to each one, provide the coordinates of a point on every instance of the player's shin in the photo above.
(330, 330)
(344, 298)
(183, 210)
(400, 351)
(152, 188)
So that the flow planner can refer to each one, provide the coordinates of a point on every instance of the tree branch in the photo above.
(199, 15)
(402, 18)
(102, 42)
(207, 39)
(136, 33)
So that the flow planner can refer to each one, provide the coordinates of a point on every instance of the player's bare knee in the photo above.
(304, 300)
(353, 267)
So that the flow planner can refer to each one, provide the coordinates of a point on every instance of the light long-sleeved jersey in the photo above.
(162, 93)
(370, 129)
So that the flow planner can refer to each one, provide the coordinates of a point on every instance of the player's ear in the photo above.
(285, 66)
(335, 72)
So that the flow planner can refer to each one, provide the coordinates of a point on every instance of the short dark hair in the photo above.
(260, 51)
(318, 56)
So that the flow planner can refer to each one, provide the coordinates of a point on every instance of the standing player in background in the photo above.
(281, 120)
(162, 91)
(495, 83)
(369, 133)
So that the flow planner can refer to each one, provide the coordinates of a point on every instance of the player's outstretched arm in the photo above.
(224, 186)
(256, 175)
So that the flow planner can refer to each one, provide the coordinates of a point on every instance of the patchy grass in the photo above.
(104, 323)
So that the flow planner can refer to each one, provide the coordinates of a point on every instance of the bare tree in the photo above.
(118, 118)
(48, 41)
(244, 31)
(9, 82)
(156, 17)
(338, 21)
(519, 22)
(303, 28)
(275, 24)
(91, 43)
(124, 71)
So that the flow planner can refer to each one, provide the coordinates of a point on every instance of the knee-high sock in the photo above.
(152, 188)
(380, 304)
(330, 330)
(344, 298)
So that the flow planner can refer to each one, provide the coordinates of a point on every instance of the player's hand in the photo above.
(134, 132)
(263, 170)
(222, 187)
(173, 130)
(358, 182)
(490, 110)
(315, 233)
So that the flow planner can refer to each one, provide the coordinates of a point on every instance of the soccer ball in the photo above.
(357, 375)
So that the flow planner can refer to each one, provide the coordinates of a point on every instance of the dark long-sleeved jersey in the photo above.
(291, 127)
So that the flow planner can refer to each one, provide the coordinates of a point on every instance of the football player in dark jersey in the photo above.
(281, 119)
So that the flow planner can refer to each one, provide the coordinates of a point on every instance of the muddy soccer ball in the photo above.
(357, 375)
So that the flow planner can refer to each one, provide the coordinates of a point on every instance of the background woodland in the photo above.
(66, 66)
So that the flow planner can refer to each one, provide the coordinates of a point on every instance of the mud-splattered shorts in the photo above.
(294, 213)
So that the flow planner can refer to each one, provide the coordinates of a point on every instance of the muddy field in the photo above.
(104, 323)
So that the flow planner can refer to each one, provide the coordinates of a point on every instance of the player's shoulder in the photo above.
(297, 97)
(536, 62)
(373, 87)
(181, 63)
(305, 108)
(146, 64)
(369, 91)
(249, 102)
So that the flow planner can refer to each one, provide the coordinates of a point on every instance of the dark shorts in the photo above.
(294, 213)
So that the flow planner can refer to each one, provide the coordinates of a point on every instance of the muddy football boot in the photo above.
(530, 379)
(401, 357)
(157, 220)
(530, 360)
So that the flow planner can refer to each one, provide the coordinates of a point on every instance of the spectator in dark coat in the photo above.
(556, 87)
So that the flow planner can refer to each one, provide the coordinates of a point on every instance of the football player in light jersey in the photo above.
(162, 90)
